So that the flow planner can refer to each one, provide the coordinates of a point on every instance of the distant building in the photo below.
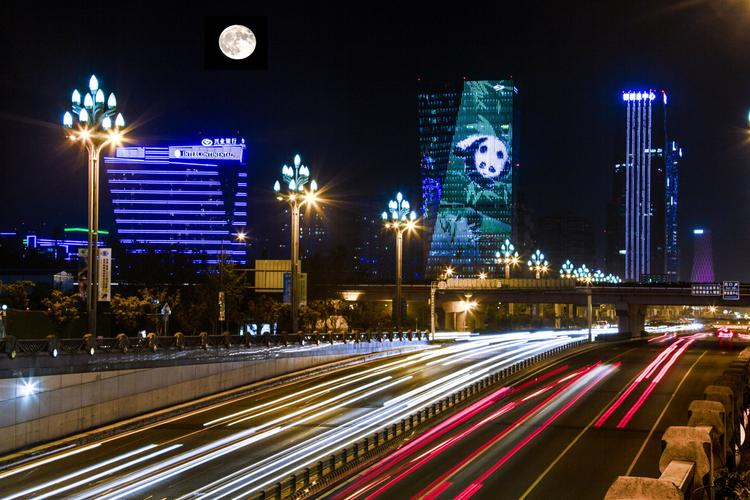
(186, 199)
(374, 259)
(467, 157)
(565, 237)
(703, 260)
(650, 205)
(44, 256)
(313, 231)
(614, 254)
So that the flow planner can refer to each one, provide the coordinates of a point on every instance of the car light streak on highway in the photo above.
(514, 347)
(350, 379)
(652, 368)
(502, 434)
(88, 479)
(508, 342)
(424, 458)
(597, 377)
(464, 357)
(652, 385)
(187, 461)
(605, 416)
(437, 491)
(79, 472)
(47, 460)
(471, 371)
(319, 404)
(469, 492)
(438, 431)
(312, 450)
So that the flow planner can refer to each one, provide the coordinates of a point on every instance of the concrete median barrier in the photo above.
(645, 488)
(689, 444)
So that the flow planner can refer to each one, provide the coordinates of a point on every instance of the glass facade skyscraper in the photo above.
(671, 198)
(467, 146)
(189, 199)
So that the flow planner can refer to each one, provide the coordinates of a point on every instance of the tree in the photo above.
(16, 294)
(129, 311)
(264, 310)
(61, 308)
(308, 318)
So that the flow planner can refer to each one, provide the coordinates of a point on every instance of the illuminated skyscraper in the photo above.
(188, 199)
(703, 260)
(671, 198)
(467, 148)
(645, 187)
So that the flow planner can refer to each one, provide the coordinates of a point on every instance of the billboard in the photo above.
(475, 210)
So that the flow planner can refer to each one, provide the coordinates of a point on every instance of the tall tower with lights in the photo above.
(646, 202)
(671, 199)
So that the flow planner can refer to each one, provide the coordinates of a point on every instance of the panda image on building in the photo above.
(486, 159)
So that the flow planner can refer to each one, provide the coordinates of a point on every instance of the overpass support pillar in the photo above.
(631, 319)
(559, 311)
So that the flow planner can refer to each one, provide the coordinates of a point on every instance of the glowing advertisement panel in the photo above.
(475, 209)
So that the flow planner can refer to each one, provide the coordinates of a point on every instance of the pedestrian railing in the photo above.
(89, 344)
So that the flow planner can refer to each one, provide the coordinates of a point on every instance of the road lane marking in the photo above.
(658, 420)
(575, 440)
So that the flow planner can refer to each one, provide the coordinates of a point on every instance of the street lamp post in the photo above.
(538, 264)
(507, 256)
(400, 220)
(583, 275)
(567, 270)
(296, 196)
(94, 124)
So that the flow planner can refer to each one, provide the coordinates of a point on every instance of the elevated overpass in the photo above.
(629, 300)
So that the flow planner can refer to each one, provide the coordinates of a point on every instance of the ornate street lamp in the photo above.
(583, 275)
(538, 264)
(399, 220)
(611, 278)
(94, 124)
(566, 271)
(295, 194)
(507, 256)
(598, 276)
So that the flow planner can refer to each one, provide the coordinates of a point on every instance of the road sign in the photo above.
(706, 289)
(730, 290)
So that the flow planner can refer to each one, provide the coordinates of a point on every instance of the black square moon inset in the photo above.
(215, 58)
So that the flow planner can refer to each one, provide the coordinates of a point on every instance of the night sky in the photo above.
(340, 89)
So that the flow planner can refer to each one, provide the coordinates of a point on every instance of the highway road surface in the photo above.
(566, 432)
(234, 448)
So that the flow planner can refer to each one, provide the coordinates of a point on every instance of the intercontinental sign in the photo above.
(206, 152)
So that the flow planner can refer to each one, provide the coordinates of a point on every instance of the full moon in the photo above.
(237, 41)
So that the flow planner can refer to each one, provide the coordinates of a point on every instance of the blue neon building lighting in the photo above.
(173, 198)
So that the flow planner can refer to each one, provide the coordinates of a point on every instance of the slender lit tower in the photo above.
(645, 150)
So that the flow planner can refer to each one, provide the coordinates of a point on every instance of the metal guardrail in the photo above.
(53, 346)
(309, 480)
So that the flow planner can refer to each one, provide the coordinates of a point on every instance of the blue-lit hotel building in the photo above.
(190, 199)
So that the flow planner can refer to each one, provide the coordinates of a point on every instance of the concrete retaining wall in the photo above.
(66, 404)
